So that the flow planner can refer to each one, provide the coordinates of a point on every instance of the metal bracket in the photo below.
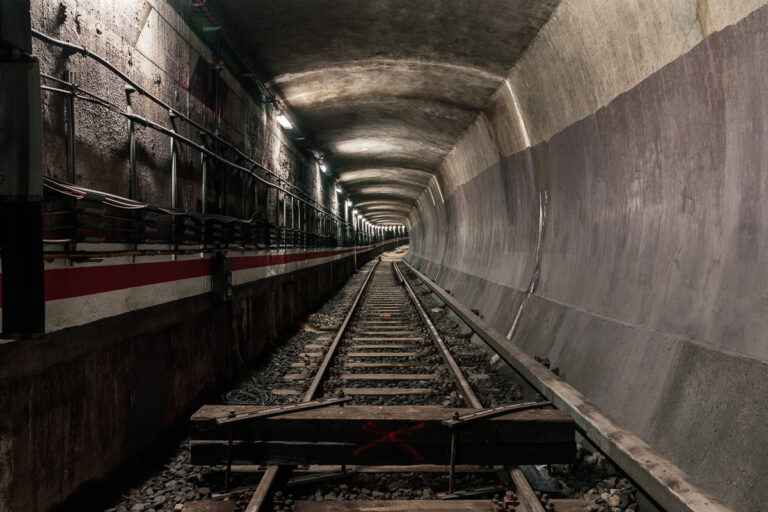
(234, 419)
(460, 421)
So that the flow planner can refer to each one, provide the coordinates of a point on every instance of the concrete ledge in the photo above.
(82, 401)
(656, 475)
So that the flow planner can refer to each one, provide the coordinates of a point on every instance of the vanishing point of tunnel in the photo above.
(316, 255)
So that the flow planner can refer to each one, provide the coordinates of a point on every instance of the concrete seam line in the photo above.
(666, 483)
(537, 268)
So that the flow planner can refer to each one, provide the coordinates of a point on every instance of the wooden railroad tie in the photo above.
(370, 435)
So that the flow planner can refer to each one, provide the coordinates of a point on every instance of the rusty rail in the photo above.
(268, 479)
(464, 387)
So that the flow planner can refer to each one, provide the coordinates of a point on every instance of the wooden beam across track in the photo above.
(395, 506)
(373, 435)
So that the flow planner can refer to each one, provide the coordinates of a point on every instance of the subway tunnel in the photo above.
(182, 182)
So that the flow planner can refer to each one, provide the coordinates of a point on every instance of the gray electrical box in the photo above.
(15, 25)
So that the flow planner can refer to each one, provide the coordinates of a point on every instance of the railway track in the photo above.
(382, 402)
(396, 378)
(386, 351)
(390, 352)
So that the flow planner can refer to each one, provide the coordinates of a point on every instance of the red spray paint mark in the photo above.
(392, 437)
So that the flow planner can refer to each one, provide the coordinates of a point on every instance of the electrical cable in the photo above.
(83, 51)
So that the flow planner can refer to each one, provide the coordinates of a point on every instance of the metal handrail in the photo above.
(176, 114)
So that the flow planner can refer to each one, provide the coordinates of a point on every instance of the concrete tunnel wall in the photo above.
(619, 173)
(133, 345)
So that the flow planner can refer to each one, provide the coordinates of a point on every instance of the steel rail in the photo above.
(522, 485)
(464, 386)
(269, 477)
(320, 375)
(104, 62)
(663, 481)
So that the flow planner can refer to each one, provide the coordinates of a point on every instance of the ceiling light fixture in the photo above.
(323, 167)
(284, 121)
(338, 189)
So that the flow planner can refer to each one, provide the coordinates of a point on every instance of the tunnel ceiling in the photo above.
(384, 88)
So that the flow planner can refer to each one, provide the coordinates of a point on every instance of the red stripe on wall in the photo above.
(64, 283)
(265, 260)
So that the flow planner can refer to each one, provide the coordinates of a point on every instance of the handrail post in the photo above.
(69, 76)
(174, 180)
(203, 190)
(133, 186)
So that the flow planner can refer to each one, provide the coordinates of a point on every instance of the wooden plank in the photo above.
(396, 364)
(296, 376)
(391, 322)
(385, 333)
(385, 316)
(330, 424)
(406, 338)
(388, 376)
(207, 414)
(335, 435)
(362, 326)
(381, 450)
(394, 506)
(386, 346)
(382, 354)
(404, 317)
(385, 391)
(311, 354)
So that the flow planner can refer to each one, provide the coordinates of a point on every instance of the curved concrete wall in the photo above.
(618, 173)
